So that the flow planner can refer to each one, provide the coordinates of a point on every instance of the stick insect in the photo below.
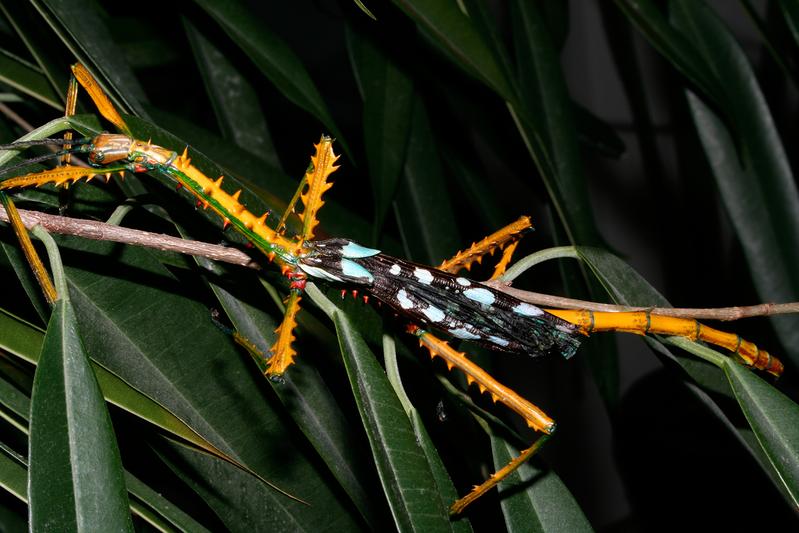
(429, 299)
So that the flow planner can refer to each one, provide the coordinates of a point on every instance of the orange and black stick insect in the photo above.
(428, 298)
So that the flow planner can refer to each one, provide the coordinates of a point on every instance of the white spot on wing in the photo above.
(424, 276)
(483, 296)
(527, 310)
(404, 301)
(316, 272)
(463, 333)
(499, 341)
(395, 269)
(433, 314)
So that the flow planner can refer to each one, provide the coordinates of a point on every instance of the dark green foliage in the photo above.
(450, 123)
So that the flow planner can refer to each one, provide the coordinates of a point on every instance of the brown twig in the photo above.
(100, 231)
(106, 232)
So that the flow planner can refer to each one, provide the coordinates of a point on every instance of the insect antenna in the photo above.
(38, 159)
(21, 145)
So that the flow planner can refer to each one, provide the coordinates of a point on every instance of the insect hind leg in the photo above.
(533, 416)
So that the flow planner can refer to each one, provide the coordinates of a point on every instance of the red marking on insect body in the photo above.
(178, 186)
(343, 293)
(355, 294)
(365, 299)
(297, 279)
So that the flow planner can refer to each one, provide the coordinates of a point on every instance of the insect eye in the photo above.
(98, 156)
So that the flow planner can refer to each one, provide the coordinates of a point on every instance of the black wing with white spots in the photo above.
(467, 309)
(445, 302)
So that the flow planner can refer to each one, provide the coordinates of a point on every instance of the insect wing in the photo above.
(468, 310)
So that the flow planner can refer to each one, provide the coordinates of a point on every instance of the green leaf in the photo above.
(149, 331)
(308, 400)
(408, 482)
(156, 509)
(750, 167)
(790, 11)
(76, 479)
(533, 499)
(671, 43)
(775, 421)
(423, 193)
(13, 474)
(456, 36)
(772, 416)
(388, 98)
(25, 341)
(544, 117)
(27, 79)
(81, 28)
(233, 98)
(273, 57)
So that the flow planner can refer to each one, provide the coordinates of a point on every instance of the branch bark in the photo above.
(101, 231)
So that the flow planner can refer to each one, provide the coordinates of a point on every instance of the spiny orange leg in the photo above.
(59, 176)
(72, 102)
(644, 322)
(37, 266)
(533, 416)
(100, 99)
(497, 240)
(313, 186)
(282, 352)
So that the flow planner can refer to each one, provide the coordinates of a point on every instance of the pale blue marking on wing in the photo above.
(424, 276)
(354, 270)
(316, 272)
(353, 250)
(480, 295)
(404, 301)
(463, 333)
(527, 310)
(433, 314)
(499, 341)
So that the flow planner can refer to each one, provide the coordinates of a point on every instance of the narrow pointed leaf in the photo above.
(76, 479)
(273, 57)
(456, 35)
(545, 118)
(423, 193)
(408, 482)
(13, 474)
(533, 499)
(27, 79)
(773, 417)
(775, 420)
(750, 166)
(669, 42)
(233, 98)
(82, 30)
(387, 94)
